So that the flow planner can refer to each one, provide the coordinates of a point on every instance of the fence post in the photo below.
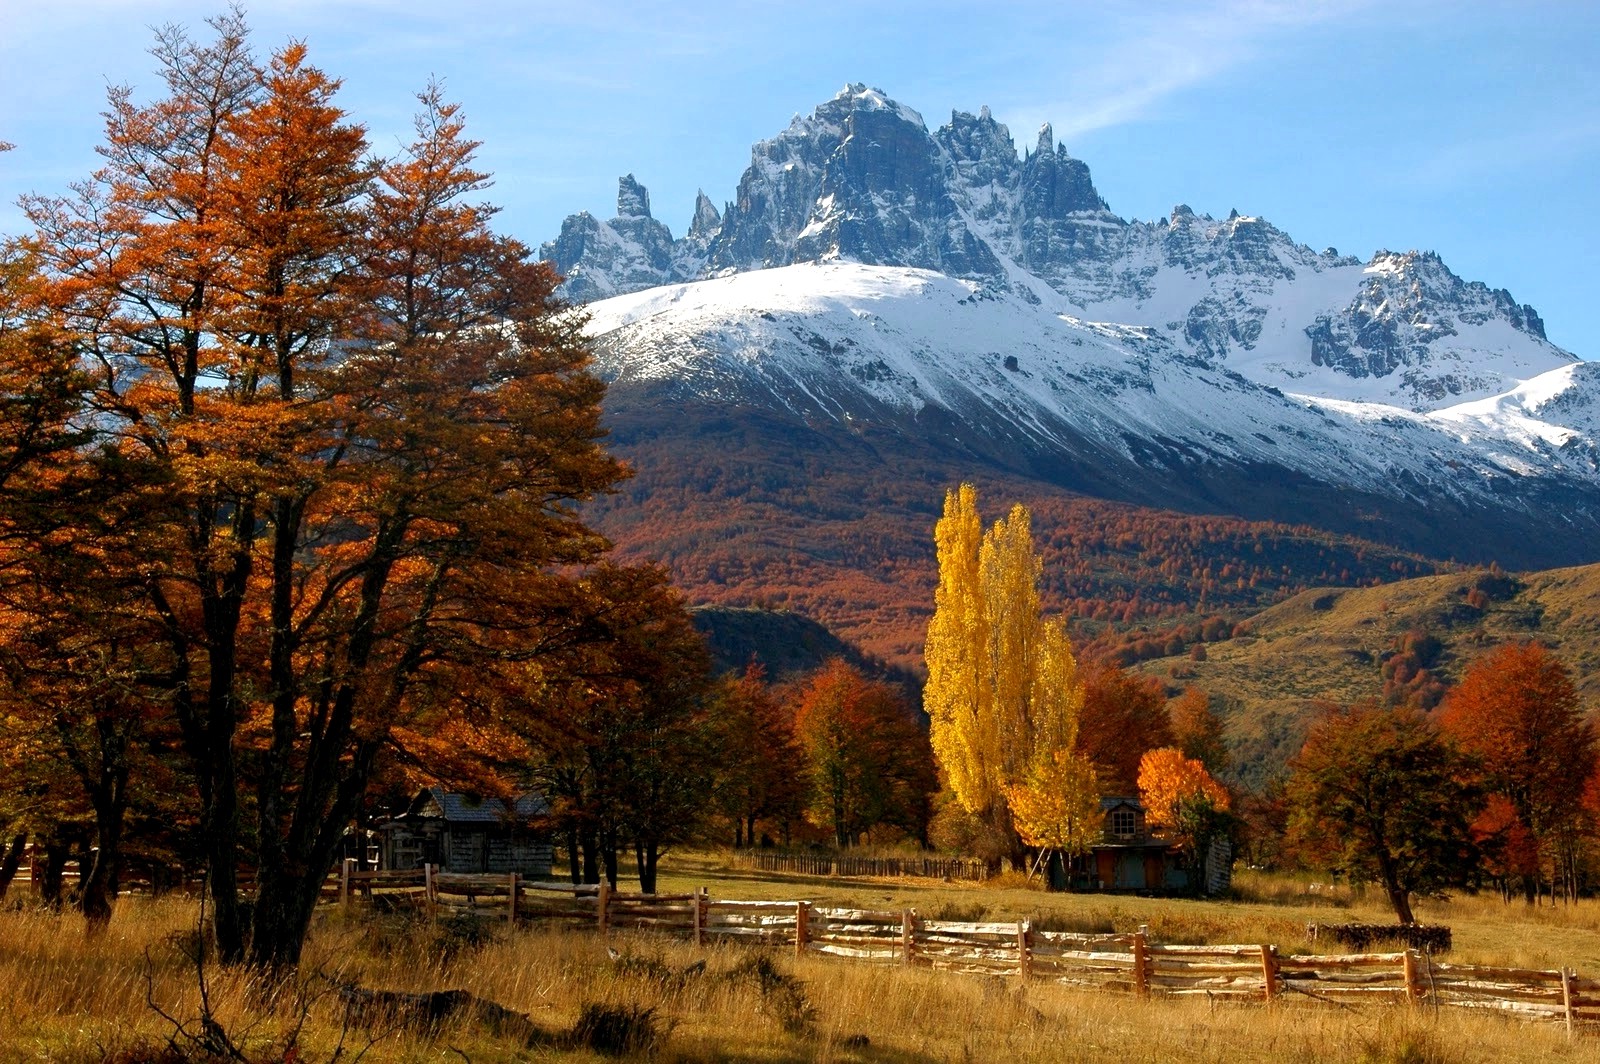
(1141, 962)
(1269, 971)
(1566, 998)
(908, 937)
(802, 918)
(430, 892)
(603, 910)
(1413, 981)
(1024, 953)
(514, 885)
(700, 903)
(344, 880)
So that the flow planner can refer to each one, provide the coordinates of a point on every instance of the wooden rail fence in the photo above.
(835, 864)
(1123, 962)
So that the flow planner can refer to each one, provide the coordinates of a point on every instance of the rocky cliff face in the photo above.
(863, 180)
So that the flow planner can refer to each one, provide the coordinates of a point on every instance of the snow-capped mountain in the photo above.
(870, 270)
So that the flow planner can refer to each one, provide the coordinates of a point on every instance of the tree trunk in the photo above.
(220, 830)
(572, 856)
(281, 917)
(608, 856)
(48, 884)
(1401, 900)
(287, 893)
(647, 881)
(591, 856)
(98, 885)
(11, 862)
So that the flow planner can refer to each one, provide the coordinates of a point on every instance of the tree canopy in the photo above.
(1381, 794)
(1003, 694)
(339, 428)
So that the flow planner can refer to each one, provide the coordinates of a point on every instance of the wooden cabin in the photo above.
(1129, 857)
(469, 834)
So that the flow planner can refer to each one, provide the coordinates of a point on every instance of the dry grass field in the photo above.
(69, 999)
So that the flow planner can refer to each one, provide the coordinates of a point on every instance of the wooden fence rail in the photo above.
(1123, 962)
(835, 864)
(1128, 963)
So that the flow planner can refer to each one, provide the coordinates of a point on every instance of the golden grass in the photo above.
(72, 999)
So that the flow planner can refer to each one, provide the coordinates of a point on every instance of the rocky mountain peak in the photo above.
(862, 179)
(707, 222)
(633, 199)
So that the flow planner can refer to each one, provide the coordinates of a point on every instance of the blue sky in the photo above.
(1472, 129)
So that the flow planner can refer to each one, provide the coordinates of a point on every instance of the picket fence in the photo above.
(1128, 963)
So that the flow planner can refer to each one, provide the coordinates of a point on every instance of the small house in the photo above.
(1128, 857)
(469, 834)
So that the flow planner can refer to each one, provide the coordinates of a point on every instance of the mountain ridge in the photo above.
(862, 179)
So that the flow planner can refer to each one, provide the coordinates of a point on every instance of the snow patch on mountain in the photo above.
(846, 341)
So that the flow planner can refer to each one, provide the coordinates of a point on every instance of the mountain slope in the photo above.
(1330, 644)
(1110, 410)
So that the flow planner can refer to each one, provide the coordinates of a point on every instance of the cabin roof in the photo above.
(456, 808)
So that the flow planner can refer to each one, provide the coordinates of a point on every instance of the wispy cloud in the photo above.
(1157, 51)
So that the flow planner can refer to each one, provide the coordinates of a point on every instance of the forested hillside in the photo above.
(1403, 641)
(748, 511)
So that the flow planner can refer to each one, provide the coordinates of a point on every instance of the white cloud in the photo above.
(1154, 52)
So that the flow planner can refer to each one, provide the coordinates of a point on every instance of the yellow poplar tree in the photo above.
(1058, 807)
(1003, 694)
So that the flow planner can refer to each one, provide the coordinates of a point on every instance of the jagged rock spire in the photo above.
(633, 199)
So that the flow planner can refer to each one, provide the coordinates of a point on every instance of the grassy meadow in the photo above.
(69, 998)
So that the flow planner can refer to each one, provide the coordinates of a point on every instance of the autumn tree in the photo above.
(1197, 731)
(1410, 670)
(1003, 694)
(761, 775)
(1382, 794)
(868, 762)
(1183, 799)
(626, 745)
(1124, 715)
(1516, 710)
(1057, 807)
(78, 669)
(364, 421)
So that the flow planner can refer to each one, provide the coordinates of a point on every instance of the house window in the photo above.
(1124, 822)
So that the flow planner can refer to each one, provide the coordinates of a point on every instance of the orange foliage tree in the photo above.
(360, 423)
(868, 760)
(1168, 780)
(1382, 794)
(1124, 715)
(1180, 796)
(1516, 709)
(627, 744)
(761, 776)
(1197, 731)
